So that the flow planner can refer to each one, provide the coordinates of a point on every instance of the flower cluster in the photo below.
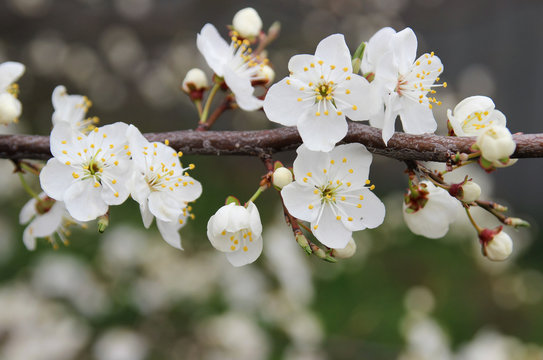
(91, 171)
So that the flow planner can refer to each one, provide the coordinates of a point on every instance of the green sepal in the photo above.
(486, 165)
(277, 164)
(232, 199)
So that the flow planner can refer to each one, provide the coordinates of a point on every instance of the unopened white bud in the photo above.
(496, 143)
(196, 79)
(267, 73)
(500, 247)
(347, 252)
(10, 109)
(470, 192)
(282, 177)
(247, 22)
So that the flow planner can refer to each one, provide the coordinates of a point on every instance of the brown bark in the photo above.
(256, 143)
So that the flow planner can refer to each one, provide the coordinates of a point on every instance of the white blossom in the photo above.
(496, 143)
(331, 191)
(470, 192)
(348, 251)
(236, 230)
(473, 115)
(432, 220)
(402, 81)
(247, 22)
(71, 109)
(10, 107)
(46, 218)
(320, 91)
(234, 63)
(161, 185)
(88, 172)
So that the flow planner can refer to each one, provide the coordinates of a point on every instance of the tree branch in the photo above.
(255, 143)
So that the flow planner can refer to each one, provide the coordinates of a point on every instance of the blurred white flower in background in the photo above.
(120, 344)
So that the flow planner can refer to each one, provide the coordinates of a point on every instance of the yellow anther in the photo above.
(64, 152)
(326, 112)
(429, 62)
(417, 63)
(305, 69)
(359, 205)
(317, 114)
(315, 191)
(167, 142)
(67, 163)
(332, 67)
(232, 248)
(95, 130)
(361, 197)
(348, 78)
(368, 182)
(430, 106)
(305, 179)
(315, 227)
(347, 91)
(126, 147)
(128, 153)
(324, 171)
(113, 181)
(319, 97)
(75, 175)
(310, 207)
(320, 62)
(444, 84)
(345, 69)
(312, 65)
(355, 107)
(288, 82)
(309, 174)
(348, 184)
(338, 217)
(350, 218)
(192, 166)
(116, 163)
(96, 184)
(372, 187)
(63, 142)
(339, 113)
(245, 248)
(351, 171)
(344, 160)
(180, 154)
(299, 99)
(332, 162)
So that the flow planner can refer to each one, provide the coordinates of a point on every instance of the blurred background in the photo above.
(127, 295)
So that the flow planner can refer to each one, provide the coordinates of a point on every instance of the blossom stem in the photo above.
(209, 100)
(466, 207)
(257, 193)
(27, 188)
(198, 104)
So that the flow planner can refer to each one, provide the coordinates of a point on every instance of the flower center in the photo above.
(478, 120)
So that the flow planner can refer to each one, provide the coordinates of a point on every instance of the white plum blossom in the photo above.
(402, 81)
(319, 93)
(434, 215)
(161, 185)
(496, 143)
(235, 63)
(10, 107)
(247, 22)
(71, 109)
(473, 115)
(471, 191)
(46, 218)
(331, 191)
(348, 251)
(88, 172)
(237, 231)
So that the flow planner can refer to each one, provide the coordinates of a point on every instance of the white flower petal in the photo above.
(301, 69)
(56, 178)
(370, 215)
(254, 219)
(299, 198)
(357, 101)
(311, 165)
(214, 48)
(146, 216)
(351, 163)
(170, 232)
(46, 224)
(10, 72)
(28, 211)
(281, 104)
(164, 206)
(416, 118)
(334, 51)
(28, 239)
(241, 257)
(378, 45)
(330, 231)
(321, 133)
(242, 89)
(83, 200)
(404, 44)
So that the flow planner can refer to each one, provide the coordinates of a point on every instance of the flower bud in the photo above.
(509, 162)
(470, 192)
(496, 143)
(267, 73)
(282, 177)
(499, 247)
(10, 109)
(247, 22)
(195, 80)
(347, 252)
